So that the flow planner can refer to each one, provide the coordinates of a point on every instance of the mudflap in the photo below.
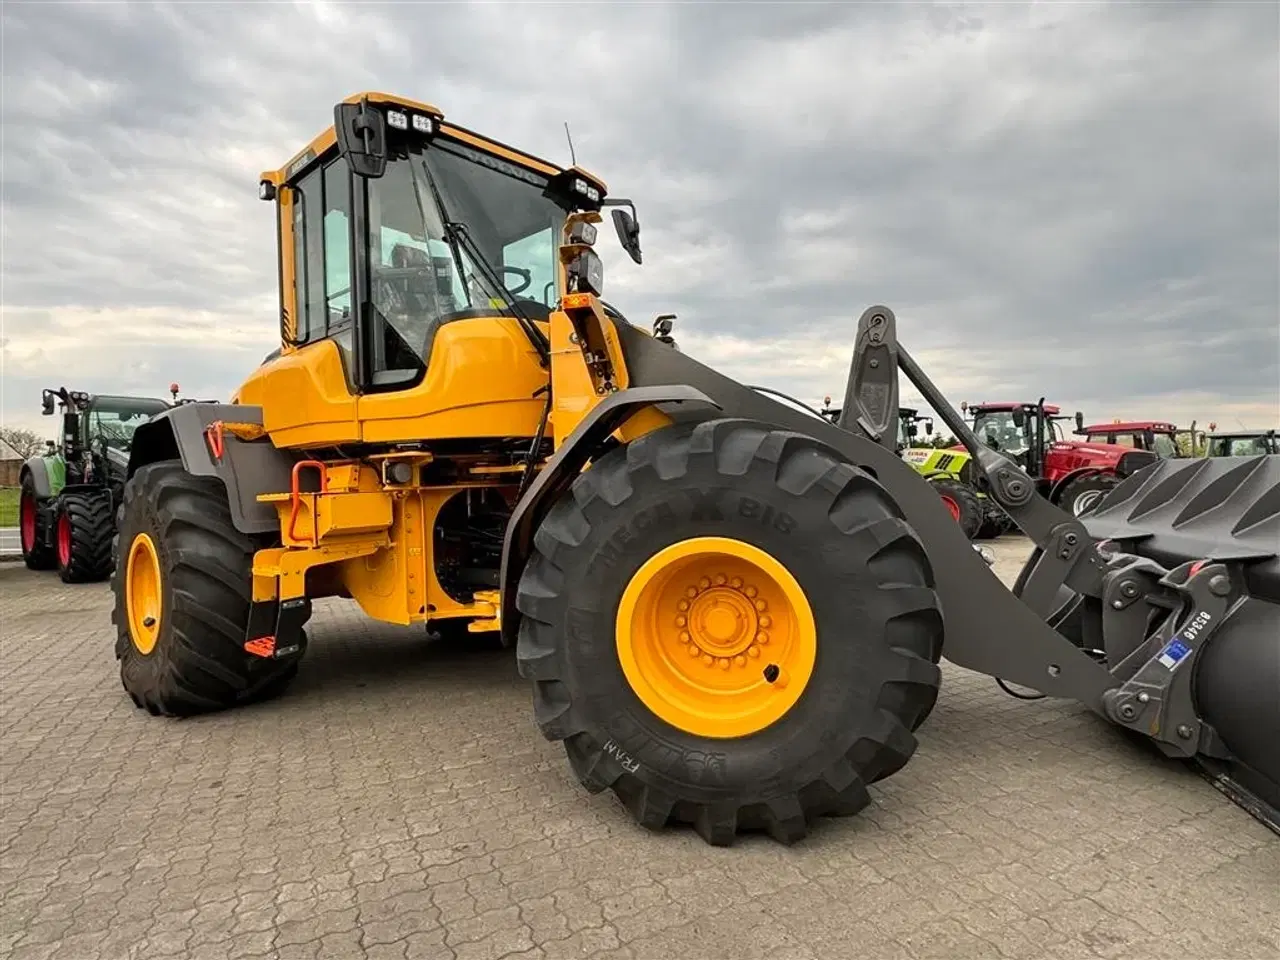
(1189, 618)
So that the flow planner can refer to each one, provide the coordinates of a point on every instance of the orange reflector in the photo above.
(576, 301)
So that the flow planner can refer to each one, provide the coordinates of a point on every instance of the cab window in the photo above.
(322, 252)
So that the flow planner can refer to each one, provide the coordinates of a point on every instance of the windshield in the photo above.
(1164, 446)
(997, 430)
(1238, 446)
(424, 274)
(115, 419)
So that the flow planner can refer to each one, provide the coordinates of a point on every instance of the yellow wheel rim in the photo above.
(142, 593)
(716, 637)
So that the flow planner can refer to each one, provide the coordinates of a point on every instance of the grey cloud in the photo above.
(1076, 200)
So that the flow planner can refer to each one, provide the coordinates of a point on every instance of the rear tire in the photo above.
(962, 503)
(194, 661)
(862, 571)
(83, 532)
(33, 529)
(1080, 496)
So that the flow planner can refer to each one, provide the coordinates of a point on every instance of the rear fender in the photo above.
(246, 469)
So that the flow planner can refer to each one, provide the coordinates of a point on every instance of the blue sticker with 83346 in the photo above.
(1174, 653)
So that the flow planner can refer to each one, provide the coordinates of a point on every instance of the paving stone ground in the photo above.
(398, 802)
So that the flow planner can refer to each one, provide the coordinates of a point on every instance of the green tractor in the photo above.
(1240, 443)
(68, 499)
(976, 515)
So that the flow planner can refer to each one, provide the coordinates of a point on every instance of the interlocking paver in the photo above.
(399, 803)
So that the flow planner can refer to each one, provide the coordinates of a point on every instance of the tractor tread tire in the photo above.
(864, 571)
(199, 664)
(1102, 483)
(89, 515)
(967, 504)
(42, 556)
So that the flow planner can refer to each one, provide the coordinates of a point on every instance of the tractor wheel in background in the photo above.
(183, 587)
(962, 503)
(731, 628)
(82, 536)
(1082, 495)
(995, 522)
(33, 529)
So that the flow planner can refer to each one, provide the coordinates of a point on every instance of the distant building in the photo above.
(10, 464)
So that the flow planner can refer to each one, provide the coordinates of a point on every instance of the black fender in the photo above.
(36, 469)
(971, 595)
(246, 469)
(561, 470)
(1055, 492)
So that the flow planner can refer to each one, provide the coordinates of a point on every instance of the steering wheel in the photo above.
(523, 274)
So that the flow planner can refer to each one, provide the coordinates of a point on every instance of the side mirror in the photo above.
(46, 403)
(1079, 422)
(913, 431)
(362, 138)
(928, 428)
(628, 233)
(1019, 418)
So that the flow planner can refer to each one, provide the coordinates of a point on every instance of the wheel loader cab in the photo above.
(415, 303)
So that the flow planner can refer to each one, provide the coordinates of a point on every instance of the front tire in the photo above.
(83, 532)
(183, 587)
(831, 529)
(33, 529)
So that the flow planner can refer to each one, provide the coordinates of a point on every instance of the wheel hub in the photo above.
(716, 637)
(722, 621)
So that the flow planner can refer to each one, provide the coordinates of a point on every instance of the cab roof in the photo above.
(1050, 408)
(1130, 426)
(327, 139)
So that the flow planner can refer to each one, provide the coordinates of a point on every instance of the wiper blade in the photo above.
(457, 236)
(540, 342)
(444, 217)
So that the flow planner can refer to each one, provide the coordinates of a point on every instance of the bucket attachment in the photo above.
(1195, 548)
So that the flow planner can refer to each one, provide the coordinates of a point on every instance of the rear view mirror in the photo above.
(46, 403)
(628, 233)
(1079, 422)
(928, 428)
(362, 138)
(1019, 418)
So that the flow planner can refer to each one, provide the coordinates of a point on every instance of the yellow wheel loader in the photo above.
(730, 611)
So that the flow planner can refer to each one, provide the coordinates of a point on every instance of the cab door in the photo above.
(307, 394)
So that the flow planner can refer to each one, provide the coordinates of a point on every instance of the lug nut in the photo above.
(1144, 697)
(1220, 586)
(148, 622)
(771, 673)
(1184, 731)
(1128, 712)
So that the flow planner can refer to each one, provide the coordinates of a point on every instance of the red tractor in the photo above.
(1073, 473)
(1158, 436)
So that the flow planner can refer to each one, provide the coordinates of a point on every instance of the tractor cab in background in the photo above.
(1074, 474)
(1240, 443)
(1160, 437)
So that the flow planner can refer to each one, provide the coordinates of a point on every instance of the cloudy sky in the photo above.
(1074, 200)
